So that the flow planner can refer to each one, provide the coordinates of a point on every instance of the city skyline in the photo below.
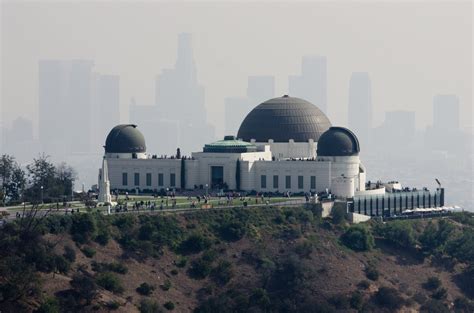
(394, 80)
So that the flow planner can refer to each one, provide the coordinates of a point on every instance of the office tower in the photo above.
(19, 140)
(360, 106)
(165, 131)
(180, 98)
(311, 85)
(446, 112)
(260, 88)
(397, 134)
(445, 134)
(108, 100)
(65, 106)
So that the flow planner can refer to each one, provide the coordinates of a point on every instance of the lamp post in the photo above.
(207, 190)
(41, 194)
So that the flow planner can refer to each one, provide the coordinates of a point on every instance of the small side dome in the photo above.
(125, 138)
(338, 141)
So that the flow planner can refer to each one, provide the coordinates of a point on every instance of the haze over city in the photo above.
(388, 63)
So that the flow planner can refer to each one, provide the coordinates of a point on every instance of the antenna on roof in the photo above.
(439, 183)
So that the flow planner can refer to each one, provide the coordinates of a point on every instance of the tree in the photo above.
(400, 233)
(12, 178)
(41, 174)
(358, 238)
(65, 177)
(85, 286)
(435, 237)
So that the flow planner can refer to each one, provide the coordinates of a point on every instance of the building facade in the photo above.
(285, 144)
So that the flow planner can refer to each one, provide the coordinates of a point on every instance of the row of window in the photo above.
(148, 179)
(263, 182)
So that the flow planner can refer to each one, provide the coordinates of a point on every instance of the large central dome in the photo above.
(282, 119)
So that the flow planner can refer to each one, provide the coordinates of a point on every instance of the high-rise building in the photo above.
(360, 106)
(446, 112)
(180, 98)
(19, 140)
(397, 134)
(108, 103)
(259, 89)
(65, 97)
(311, 85)
(445, 134)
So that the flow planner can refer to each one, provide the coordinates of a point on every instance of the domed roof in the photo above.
(230, 145)
(282, 119)
(125, 138)
(338, 141)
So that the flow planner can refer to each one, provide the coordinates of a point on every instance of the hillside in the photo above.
(236, 260)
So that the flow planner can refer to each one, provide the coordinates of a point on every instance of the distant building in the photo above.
(445, 134)
(259, 88)
(180, 98)
(108, 98)
(65, 110)
(19, 140)
(397, 134)
(446, 112)
(360, 106)
(312, 83)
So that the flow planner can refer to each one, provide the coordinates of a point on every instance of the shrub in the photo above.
(113, 305)
(463, 305)
(51, 305)
(223, 272)
(399, 233)
(88, 251)
(166, 285)
(356, 300)
(432, 283)
(174, 272)
(61, 264)
(304, 249)
(440, 294)
(363, 284)
(232, 231)
(462, 248)
(83, 227)
(358, 238)
(434, 306)
(149, 306)
(194, 244)
(103, 237)
(371, 272)
(338, 215)
(145, 289)
(182, 262)
(85, 287)
(116, 267)
(169, 306)
(69, 253)
(109, 282)
(389, 298)
(200, 268)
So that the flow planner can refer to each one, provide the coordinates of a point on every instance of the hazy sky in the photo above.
(412, 50)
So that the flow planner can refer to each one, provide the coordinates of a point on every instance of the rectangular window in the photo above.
(124, 179)
(287, 182)
(263, 181)
(148, 179)
(275, 181)
(300, 182)
(172, 179)
(313, 182)
(160, 179)
(136, 179)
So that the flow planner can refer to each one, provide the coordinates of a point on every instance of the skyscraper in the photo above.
(360, 106)
(311, 85)
(108, 95)
(180, 98)
(65, 106)
(259, 89)
(446, 112)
